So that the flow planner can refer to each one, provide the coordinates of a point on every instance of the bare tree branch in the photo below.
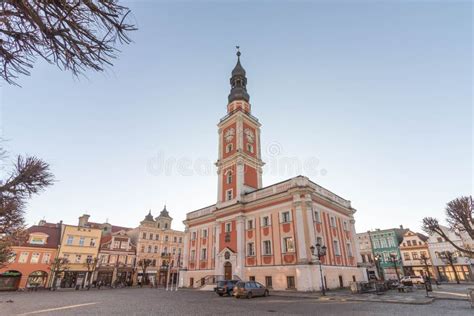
(73, 34)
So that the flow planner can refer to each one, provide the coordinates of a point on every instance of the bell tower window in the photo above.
(229, 177)
(229, 148)
(250, 148)
(228, 195)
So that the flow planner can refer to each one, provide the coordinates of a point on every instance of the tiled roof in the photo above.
(54, 235)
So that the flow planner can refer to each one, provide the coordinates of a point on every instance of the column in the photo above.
(239, 269)
(218, 266)
(299, 230)
(186, 247)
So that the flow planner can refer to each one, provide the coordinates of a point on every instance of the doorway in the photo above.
(341, 282)
(227, 271)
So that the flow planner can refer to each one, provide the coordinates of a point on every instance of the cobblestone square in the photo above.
(146, 301)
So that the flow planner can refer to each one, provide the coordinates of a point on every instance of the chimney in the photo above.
(83, 220)
(401, 226)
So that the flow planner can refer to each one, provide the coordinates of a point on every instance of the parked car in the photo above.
(225, 287)
(415, 279)
(250, 289)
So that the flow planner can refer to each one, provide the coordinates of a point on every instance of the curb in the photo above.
(345, 299)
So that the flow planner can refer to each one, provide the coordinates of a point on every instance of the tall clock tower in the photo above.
(239, 166)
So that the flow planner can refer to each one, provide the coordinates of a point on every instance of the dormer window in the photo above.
(38, 240)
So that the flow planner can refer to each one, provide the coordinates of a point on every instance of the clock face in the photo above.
(249, 134)
(229, 135)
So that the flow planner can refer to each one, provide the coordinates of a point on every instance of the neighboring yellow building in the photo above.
(80, 245)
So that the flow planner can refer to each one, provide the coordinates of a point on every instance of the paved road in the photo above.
(187, 302)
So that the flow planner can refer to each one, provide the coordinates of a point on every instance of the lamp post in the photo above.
(377, 258)
(394, 260)
(320, 252)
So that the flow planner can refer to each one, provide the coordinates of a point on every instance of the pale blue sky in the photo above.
(379, 95)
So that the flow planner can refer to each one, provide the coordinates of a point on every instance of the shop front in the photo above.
(463, 273)
(73, 279)
(10, 280)
(104, 276)
(124, 276)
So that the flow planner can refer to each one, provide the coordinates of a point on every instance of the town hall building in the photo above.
(266, 233)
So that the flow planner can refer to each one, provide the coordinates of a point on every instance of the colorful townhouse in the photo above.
(415, 254)
(30, 264)
(80, 246)
(267, 233)
(159, 244)
(386, 250)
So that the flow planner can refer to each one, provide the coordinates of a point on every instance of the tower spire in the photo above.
(238, 81)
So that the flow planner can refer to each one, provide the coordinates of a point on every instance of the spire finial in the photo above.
(238, 52)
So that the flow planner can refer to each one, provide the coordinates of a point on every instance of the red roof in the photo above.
(54, 235)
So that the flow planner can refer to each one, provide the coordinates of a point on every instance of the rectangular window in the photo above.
(46, 257)
(383, 243)
(268, 282)
(193, 255)
(345, 226)
(156, 249)
(333, 221)
(349, 249)
(70, 239)
(180, 239)
(288, 245)
(376, 243)
(151, 236)
(81, 241)
(409, 243)
(116, 244)
(337, 250)
(228, 194)
(166, 238)
(285, 217)
(317, 217)
(250, 224)
(193, 236)
(34, 257)
(124, 245)
(252, 278)
(414, 255)
(319, 240)
(144, 235)
(175, 239)
(23, 257)
(92, 243)
(265, 221)
(203, 254)
(406, 256)
(290, 282)
(267, 247)
(228, 227)
(250, 249)
(78, 258)
(204, 233)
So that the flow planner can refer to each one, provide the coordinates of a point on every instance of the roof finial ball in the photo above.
(238, 51)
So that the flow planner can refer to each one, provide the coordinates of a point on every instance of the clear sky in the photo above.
(372, 100)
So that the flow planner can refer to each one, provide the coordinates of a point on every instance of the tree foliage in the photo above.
(73, 34)
(460, 218)
(29, 176)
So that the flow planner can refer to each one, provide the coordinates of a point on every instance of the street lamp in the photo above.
(320, 252)
(377, 258)
(394, 260)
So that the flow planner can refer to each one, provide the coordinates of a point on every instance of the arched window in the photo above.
(250, 148)
(229, 148)
(229, 177)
